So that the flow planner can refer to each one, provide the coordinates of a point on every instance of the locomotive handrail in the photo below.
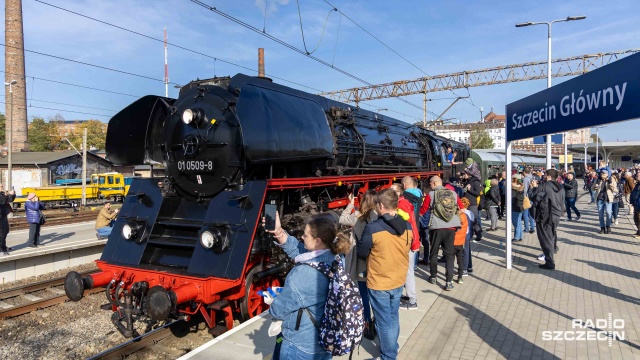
(340, 180)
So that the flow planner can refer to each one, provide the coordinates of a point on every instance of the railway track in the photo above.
(143, 341)
(58, 218)
(27, 298)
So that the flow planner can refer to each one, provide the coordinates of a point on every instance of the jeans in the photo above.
(615, 207)
(493, 213)
(364, 293)
(570, 203)
(386, 308)
(604, 208)
(289, 351)
(516, 220)
(593, 195)
(529, 223)
(104, 231)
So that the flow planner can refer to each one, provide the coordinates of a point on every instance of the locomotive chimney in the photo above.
(261, 62)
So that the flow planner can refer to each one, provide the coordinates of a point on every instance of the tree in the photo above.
(3, 122)
(96, 135)
(593, 138)
(480, 139)
(38, 135)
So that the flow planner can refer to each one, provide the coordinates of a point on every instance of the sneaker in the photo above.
(607, 230)
(602, 231)
(448, 286)
(531, 231)
(459, 281)
(466, 272)
(541, 257)
(469, 271)
(616, 222)
(4, 253)
(577, 217)
(409, 306)
(477, 240)
(432, 280)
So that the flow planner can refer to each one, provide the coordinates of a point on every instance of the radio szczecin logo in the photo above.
(589, 330)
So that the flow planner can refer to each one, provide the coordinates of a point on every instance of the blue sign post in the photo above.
(607, 95)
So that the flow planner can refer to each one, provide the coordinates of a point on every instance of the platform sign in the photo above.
(606, 95)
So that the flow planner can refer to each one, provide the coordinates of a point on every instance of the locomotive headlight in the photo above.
(187, 116)
(207, 239)
(131, 230)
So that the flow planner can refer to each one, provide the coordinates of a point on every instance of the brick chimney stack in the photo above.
(14, 70)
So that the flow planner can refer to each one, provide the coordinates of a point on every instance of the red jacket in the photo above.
(405, 210)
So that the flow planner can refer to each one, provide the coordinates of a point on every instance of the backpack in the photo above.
(444, 206)
(342, 325)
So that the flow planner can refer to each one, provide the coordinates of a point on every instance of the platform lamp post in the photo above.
(10, 142)
(549, 24)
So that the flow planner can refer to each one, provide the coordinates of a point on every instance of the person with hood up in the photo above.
(386, 243)
(548, 207)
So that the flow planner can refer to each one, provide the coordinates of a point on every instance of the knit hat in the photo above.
(31, 195)
(468, 162)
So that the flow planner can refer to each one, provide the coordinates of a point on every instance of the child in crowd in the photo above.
(463, 235)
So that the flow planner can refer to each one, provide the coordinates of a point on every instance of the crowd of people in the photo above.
(386, 230)
(34, 216)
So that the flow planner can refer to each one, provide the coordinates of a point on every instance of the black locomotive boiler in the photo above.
(190, 243)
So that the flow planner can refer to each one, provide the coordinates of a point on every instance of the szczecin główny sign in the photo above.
(606, 95)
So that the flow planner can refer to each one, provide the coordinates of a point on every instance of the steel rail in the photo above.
(143, 341)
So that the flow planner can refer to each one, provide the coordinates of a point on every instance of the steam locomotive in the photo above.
(190, 243)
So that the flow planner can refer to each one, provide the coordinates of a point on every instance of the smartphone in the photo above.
(356, 188)
(270, 216)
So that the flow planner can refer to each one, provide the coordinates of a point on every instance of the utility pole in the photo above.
(166, 66)
(84, 168)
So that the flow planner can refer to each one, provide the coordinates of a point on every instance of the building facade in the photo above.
(492, 123)
(72, 127)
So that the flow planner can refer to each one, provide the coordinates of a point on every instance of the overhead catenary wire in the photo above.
(392, 50)
(289, 46)
(63, 110)
(175, 45)
(304, 43)
(75, 85)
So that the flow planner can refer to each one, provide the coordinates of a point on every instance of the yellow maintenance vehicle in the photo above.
(112, 186)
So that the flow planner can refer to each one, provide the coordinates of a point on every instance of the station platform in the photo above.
(522, 313)
(64, 246)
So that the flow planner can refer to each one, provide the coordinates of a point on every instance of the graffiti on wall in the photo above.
(67, 169)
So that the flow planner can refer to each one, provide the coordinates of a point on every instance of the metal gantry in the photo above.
(575, 65)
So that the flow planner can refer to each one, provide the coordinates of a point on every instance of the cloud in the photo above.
(268, 7)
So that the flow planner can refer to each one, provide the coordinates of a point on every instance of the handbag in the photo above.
(526, 203)
(43, 219)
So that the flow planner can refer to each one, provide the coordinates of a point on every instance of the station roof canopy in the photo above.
(30, 158)
(624, 148)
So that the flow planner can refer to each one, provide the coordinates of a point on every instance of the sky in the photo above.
(438, 37)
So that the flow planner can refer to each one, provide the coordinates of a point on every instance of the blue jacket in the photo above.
(33, 211)
(305, 287)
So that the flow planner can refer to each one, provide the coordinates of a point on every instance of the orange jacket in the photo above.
(461, 234)
(405, 210)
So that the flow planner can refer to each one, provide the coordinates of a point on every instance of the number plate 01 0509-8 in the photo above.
(195, 165)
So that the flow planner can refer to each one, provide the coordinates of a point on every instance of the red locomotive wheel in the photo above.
(253, 304)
